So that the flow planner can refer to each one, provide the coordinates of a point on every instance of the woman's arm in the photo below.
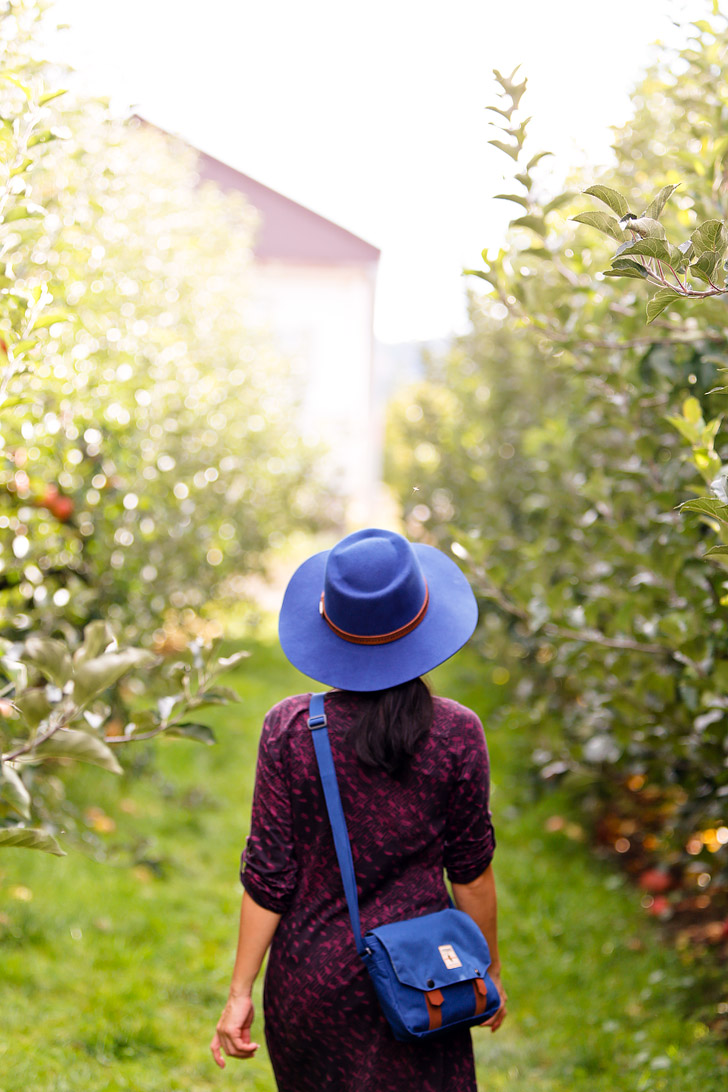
(257, 928)
(478, 900)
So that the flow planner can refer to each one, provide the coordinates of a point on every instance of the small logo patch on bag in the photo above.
(449, 957)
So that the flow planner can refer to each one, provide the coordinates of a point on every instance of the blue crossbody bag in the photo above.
(431, 972)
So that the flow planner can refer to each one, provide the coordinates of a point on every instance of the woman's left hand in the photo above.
(499, 1016)
(232, 1036)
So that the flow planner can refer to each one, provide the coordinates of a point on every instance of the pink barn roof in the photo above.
(288, 232)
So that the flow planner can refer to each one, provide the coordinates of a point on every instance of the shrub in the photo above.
(147, 454)
(552, 466)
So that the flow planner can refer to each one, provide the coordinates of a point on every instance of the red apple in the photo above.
(655, 880)
(62, 508)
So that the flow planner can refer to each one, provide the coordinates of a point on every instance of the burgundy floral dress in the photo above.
(323, 1025)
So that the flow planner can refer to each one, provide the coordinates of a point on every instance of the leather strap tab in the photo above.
(434, 1000)
(481, 995)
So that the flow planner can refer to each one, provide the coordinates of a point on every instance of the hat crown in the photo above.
(373, 583)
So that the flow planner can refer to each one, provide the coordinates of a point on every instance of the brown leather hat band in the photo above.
(381, 638)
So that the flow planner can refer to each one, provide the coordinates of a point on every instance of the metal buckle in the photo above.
(318, 722)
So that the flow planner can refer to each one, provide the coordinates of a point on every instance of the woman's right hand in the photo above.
(232, 1036)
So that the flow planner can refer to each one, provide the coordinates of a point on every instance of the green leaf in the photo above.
(649, 248)
(219, 695)
(709, 236)
(489, 277)
(649, 228)
(51, 95)
(19, 212)
(33, 706)
(609, 197)
(654, 209)
(507, 114)
(200, 732)
(525, 180)
(711, 431)
(716, 551)
(142, 721)
(707, 506)
(659, 302)
(693, 411)
(681, 256)
(625, 268)
(19, 168)
(513, 197)
(97, 636)
(71, 743)
(41, 137)
(234, 658)
(20, 348)
(558, 202)
(93, 676)
(687, 430)
(704, 268)
(533, 223)
(48, 318)
(507, 148)
(27, 838)
(514, 90)
(536, 159)
(51, 657)
(602, 222)
(17, 83)
(13, 791)
(519, 133)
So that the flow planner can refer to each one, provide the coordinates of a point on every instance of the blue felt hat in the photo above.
(375, 611)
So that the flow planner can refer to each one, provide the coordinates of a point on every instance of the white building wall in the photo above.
(323, 315)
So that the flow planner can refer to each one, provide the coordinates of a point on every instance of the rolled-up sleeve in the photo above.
(469, 834)
(269, 868)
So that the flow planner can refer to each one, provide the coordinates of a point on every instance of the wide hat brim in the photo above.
(310, 644)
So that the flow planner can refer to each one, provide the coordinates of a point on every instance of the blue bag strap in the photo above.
(322, 747)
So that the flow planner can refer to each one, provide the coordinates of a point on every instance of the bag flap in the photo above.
(435, 950)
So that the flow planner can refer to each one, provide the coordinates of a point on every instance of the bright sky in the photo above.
(372, 114)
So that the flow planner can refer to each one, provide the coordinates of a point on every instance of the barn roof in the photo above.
(288, 232)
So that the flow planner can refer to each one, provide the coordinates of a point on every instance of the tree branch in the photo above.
(37, 740)
(587, 636)
(138, 737)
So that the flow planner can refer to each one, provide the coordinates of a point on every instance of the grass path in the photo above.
(111, 977)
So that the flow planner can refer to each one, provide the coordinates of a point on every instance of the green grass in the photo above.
(112, 976)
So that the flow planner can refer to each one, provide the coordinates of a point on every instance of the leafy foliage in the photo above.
(547, 452)
(61, 706)
(702, 257)
(148, 458)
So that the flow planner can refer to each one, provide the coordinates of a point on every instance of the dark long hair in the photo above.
(391, 724)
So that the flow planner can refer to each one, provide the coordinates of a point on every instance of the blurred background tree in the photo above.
(149, 456)
(541, 451)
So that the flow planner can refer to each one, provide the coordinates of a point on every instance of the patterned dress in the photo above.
(323, 1025)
